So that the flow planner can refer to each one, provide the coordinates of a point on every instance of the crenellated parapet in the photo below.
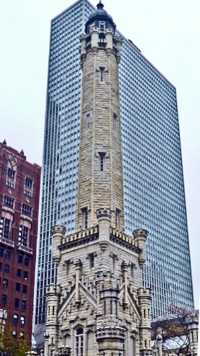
(101, 232)
(80, 237)
(121, 238)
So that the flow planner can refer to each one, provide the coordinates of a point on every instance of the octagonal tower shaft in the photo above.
(100, 165)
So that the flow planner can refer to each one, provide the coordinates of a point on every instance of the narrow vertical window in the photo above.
(117, 218)
(23, 235)
(113, 264)
(104, 307)
(114, 259)
(67, 263)
(28, 183)
(115, 121)
(102, 159)
(132, 270)
(79, 342)
(84, 213)
(11, 175)
(6, 228)
(91, 259)
(102, 71)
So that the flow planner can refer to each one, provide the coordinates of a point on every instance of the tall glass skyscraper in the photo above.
(154, 195)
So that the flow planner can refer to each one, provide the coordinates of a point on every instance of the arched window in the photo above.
(79, 342)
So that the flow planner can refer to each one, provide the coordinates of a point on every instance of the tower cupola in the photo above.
(100, 19)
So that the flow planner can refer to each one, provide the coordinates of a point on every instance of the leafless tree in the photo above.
(174, 332)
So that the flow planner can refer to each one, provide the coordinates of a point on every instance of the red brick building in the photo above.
(19, 204)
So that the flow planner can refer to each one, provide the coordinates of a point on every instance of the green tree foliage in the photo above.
(13, 345)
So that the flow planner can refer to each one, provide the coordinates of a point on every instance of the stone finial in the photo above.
(103, 214)
(144, 293)
(100, 6)
(52, 290)
(4, 142)
(140, 238)
(58, 229)
(58, 232)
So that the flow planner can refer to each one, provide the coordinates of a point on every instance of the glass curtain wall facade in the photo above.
(152, 166)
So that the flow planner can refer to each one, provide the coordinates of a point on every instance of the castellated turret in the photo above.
(144, 298)
(193, 330)
(98, 306)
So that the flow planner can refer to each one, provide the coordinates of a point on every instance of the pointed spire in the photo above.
(100, 6)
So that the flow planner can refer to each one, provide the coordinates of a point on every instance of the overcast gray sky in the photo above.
(168, 34)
